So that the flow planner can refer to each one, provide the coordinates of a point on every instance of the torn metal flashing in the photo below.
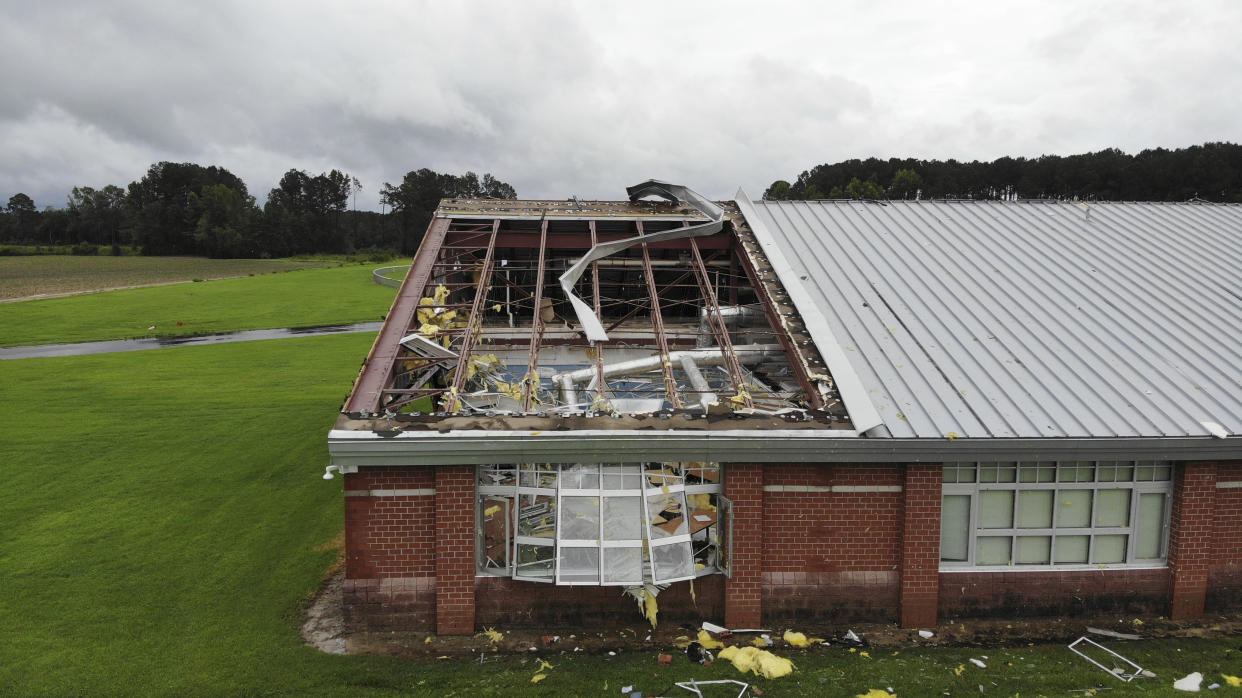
(667, 312)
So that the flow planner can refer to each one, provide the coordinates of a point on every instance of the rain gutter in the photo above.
(350, 449)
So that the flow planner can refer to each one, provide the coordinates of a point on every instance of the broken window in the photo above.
(1055, 514)
(601, 524)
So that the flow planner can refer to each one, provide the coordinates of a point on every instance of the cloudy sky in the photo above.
(561, 98)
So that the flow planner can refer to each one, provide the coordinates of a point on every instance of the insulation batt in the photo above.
(758, 662)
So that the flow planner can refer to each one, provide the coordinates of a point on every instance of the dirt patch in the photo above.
(325, 628)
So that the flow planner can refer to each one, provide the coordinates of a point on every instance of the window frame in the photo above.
(530, 480)
(1067, 476)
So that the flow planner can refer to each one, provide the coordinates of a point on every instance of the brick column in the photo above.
(744, 589)
(1190, 532)
(454, 550)
(920, 545)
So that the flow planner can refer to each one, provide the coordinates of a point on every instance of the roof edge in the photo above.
(862, 411)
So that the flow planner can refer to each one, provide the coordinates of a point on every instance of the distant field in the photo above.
(299, 298)
(57, 274)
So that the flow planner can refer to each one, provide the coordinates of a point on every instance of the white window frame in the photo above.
(1066, 477)
(489, 489)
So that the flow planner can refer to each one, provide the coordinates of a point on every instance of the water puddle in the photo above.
(82, 348)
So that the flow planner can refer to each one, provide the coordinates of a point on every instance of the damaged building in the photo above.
(762, 411)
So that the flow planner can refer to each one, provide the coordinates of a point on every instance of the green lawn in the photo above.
(297, 298)
(51, 274)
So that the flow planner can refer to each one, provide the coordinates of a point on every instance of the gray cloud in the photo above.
(563, 98)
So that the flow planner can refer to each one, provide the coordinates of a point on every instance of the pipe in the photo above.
(706, 396)
(746, 353)
(734, 317)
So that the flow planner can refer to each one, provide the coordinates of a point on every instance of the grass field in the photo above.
(58, 274)
(320, 296)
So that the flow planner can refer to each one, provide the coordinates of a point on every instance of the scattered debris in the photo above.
(698, 654)
(548, 639)
(877, 693)
(665, 659)
(693, 686)
(708, 641)
(493, 636)
(1127, 672)
(926, 634)
(978, 663)
(1213, 686)
(759, 662)
(1189, 683)
(852, 638)
(764, 640)
(627, 689)
(800, 640)
(1234, 681)
(538, 677)
(715, 629)
(1113, 633)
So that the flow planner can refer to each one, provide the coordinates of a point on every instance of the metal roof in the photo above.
(986, 319)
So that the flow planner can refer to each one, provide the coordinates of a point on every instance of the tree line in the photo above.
(1210, 172)
(190, 209)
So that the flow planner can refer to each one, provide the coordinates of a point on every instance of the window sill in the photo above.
(1059, 568)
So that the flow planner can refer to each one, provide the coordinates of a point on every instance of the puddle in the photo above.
(82, 348)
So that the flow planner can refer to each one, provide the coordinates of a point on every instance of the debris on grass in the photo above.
(1113, 633)
(1122, 668)
(695, 652)
(1189, 683)
(979, 663)
(693, 686)
(926, 634)
(876, 693)
(759, 662)
(1234, 681)
(493, 636)
(708, 641)
(800, 640)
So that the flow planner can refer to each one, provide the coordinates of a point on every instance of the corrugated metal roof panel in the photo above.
(1028, 319)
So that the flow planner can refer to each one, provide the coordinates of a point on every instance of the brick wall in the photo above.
(1224, 591)
(920, 545)
(389, 549)
(1036, 594)
(500, 601)
(1190, 532)
(455, 534)
(744, 589)
(831, 545)
(389, 536)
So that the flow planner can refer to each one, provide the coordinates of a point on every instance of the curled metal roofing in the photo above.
(1027, 319)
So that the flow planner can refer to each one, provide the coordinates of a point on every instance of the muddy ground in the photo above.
(325, 628)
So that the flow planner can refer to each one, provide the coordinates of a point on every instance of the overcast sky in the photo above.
(575, 98)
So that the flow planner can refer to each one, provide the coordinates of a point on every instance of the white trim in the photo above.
(832, 488)
(862, 411)
(1035, 569)
(425, 492)
(1233, 485)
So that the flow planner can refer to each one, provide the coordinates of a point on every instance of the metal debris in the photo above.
(1122, 668)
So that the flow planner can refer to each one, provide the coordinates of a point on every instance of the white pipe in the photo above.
(746, 353)
(706, 396)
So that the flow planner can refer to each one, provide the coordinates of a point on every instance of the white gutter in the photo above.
(862, 411)
(354, 448)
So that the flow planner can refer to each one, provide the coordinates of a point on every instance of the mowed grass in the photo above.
(300, 298)
(56, 274)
